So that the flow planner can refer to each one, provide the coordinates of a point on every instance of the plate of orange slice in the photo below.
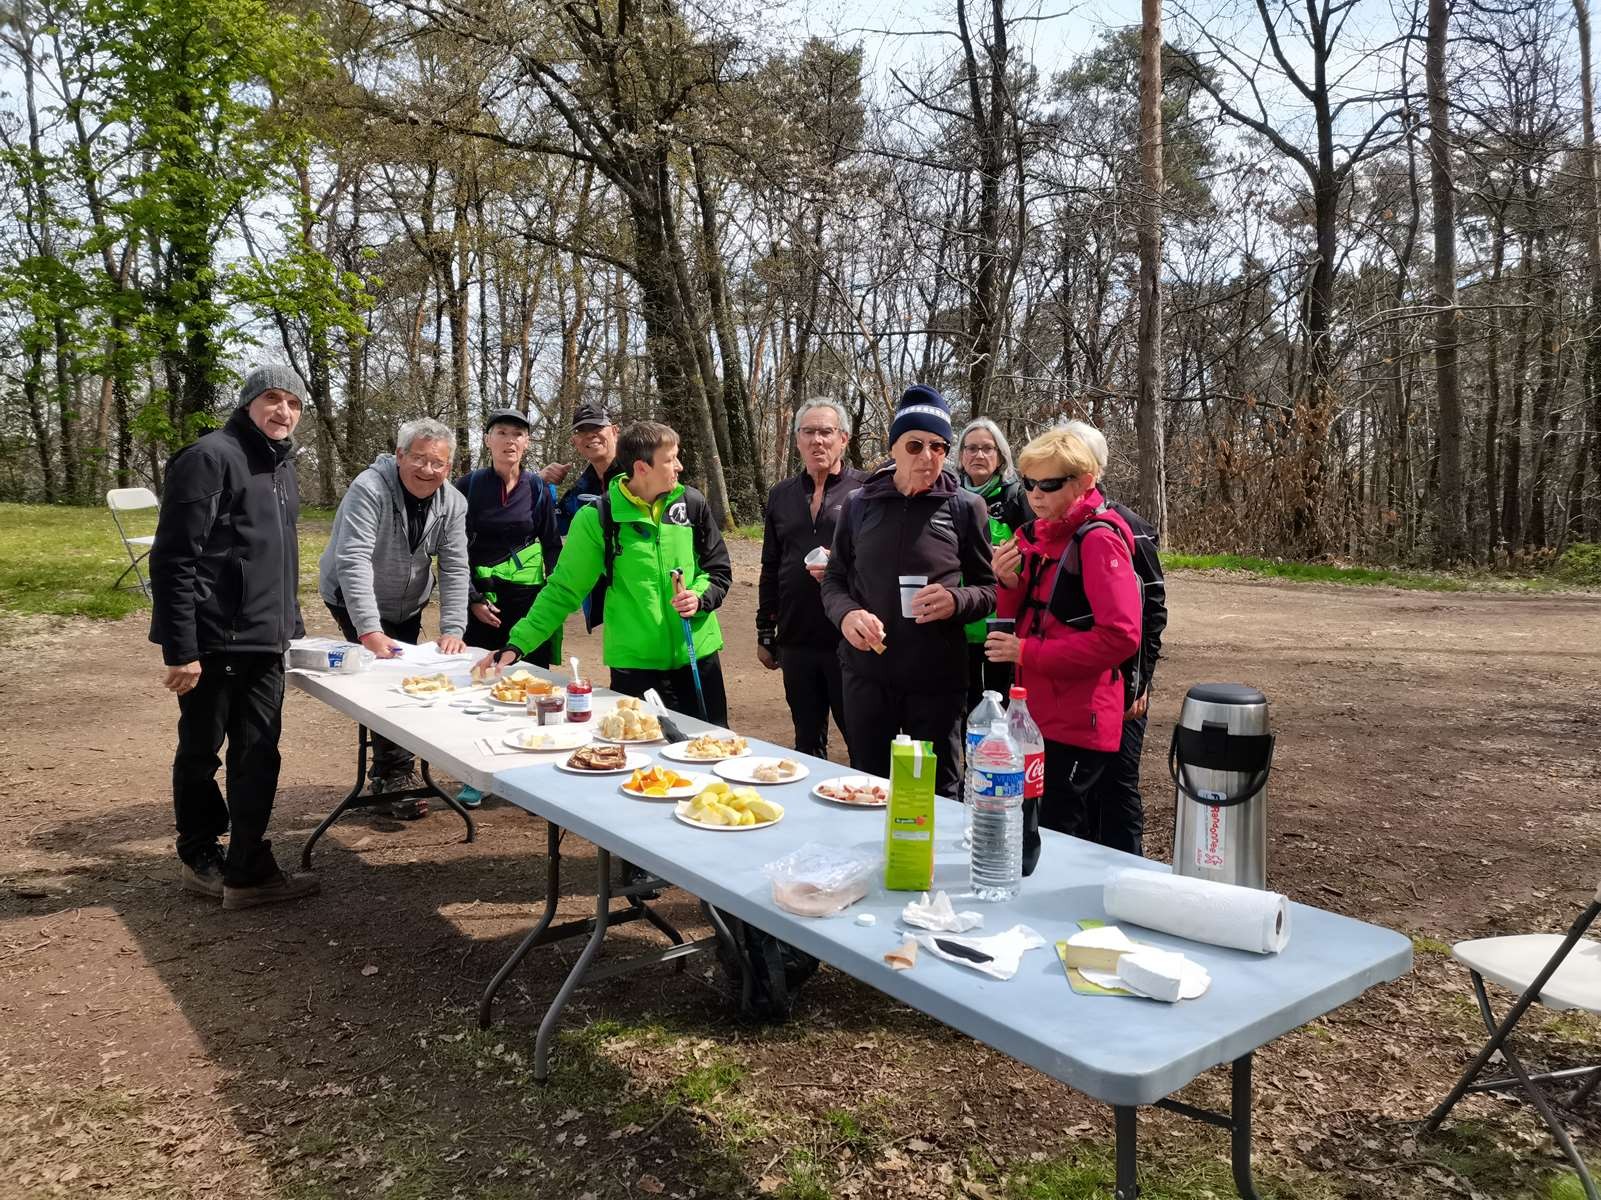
(656, 782)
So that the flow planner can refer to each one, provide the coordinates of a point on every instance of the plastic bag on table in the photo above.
(815, 880)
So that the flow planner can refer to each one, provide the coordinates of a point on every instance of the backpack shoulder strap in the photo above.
(609, 535)
(1072, 560)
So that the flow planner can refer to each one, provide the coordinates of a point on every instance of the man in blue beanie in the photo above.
(910, 568)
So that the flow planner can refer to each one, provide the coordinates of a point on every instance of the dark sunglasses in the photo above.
(917, 445)
(1046, 485)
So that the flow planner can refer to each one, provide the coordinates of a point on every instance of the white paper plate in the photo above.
(676, 753)
(562, 737)
(426, 695)
(633, 762)
(491, 698)
(743, 770)
(854, 781)
(682, 807)
(697, 783)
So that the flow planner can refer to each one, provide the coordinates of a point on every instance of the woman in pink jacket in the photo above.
(1068, 580)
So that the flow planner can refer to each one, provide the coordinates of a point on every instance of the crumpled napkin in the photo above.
(996, 955)
(939, 915)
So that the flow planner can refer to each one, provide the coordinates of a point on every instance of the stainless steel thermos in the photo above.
(1221, 756)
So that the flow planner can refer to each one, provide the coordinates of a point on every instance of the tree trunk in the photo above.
(1582, 517)
(1148, 407)
(747, 487)
(1442, 192)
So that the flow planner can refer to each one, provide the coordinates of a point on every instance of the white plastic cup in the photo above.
(818, 557)
(910, 586)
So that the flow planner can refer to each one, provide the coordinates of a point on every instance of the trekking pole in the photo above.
(689, 640)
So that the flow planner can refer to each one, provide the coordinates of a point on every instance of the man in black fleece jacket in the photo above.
(224, 574)
(909, 674)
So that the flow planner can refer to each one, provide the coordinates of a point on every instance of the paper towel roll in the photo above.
(1219, 914)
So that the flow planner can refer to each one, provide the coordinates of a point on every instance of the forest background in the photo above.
(1368, 324)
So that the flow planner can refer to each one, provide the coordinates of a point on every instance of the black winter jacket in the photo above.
(942, 533)
(1148, 566)
(789, 603)
(225, 567)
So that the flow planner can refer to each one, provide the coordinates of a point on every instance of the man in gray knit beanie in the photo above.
(269, 377)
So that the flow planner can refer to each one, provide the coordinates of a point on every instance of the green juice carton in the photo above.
(909, 820)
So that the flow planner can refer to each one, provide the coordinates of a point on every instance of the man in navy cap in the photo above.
(595, 440)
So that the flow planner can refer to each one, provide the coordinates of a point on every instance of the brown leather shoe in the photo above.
(274, 889)
(205, 880)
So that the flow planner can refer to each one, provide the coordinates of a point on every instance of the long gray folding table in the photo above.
(1125, 1052)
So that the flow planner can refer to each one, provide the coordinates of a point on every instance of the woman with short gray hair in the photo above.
(984, 459)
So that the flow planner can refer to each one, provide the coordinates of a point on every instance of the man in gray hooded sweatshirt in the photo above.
(376, 573)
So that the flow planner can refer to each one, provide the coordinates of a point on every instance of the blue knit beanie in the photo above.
(923, 408)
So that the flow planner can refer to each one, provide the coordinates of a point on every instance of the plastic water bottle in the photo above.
(985, 713)
(996, 808)
(1029, 740)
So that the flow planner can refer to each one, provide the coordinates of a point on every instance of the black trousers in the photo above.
(513, 603)
(1116, 794)
(387, 758)
(875, 713)
(985, 676)
(239, 699)
(813, 689)
(678, 687)
(1068, 803)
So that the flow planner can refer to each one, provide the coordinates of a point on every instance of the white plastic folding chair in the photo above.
(123, 500)
(1560, 971)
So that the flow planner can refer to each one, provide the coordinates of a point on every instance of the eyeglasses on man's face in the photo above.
(419, 462)
(1046, 485)
(916, 446)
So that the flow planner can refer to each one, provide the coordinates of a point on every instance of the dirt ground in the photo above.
(1436, 773)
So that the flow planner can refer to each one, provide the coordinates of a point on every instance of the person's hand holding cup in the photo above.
(817, 562)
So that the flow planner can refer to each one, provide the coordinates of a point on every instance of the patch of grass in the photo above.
(1090, 1174)
(703, 1085)
(749, 533)
(1579, 1028)
(1428, 945)
(62, 562)
(1301, 572)
(806, 1179)
(1480, 1153)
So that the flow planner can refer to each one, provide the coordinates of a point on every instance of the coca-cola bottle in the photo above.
(1020, 725)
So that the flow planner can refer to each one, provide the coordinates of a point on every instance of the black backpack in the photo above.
(1069, 604)
(776, 972)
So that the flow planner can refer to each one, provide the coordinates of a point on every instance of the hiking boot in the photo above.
(274, 889)
(412, 808)
(202, 879)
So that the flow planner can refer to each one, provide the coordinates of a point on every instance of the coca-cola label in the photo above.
(998, 783)
(1034, 775)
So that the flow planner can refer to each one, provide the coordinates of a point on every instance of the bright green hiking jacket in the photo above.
(642, 629)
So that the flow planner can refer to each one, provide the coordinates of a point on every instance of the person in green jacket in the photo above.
(645, 527)
(985, 458)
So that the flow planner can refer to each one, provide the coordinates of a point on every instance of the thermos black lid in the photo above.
(1225, 693)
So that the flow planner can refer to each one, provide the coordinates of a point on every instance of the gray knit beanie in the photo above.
(272, 375)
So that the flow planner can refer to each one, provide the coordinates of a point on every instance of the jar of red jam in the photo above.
(549, 708)
(578, 696)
